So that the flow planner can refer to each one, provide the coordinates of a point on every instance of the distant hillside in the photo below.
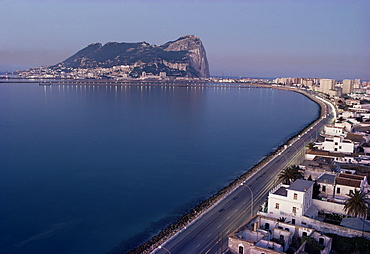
(184, 57)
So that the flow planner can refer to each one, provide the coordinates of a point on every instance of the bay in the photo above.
(85, 167)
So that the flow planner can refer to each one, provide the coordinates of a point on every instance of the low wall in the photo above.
(325, 228)
(328, 206)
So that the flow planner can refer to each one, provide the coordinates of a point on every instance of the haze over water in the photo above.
(84, 168)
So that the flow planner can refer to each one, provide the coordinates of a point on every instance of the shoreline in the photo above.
(164, 235)
(195, 212)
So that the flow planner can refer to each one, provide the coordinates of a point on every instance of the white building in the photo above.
(337, 144)
(347, 87)
(290, 202)
(333, 130)
(267, 235)
(326, 85)
(338, 157)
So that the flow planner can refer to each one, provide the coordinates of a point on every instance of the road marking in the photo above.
(209, 235)
(219, 226)
(228, 218)
(236, 210)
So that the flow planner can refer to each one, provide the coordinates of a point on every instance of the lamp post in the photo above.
(161, 247)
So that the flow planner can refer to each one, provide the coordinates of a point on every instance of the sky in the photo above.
(248, 38)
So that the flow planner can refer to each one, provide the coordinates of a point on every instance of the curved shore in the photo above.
(199, 209)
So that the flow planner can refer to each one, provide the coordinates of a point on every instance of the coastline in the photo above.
(200, 209)
(184, 220)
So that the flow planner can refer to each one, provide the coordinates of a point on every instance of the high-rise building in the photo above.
(326, 85)
(357, 83)
(347, 86)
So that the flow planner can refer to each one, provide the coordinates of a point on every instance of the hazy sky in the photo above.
(253, 38)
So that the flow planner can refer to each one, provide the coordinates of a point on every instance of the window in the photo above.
(321, 241)
(338, 190)
(350, 191)
(336, 143)
(241, 250)
(267, 226)
(304, 234)
(293, 221)
(295, 196)
(277, 205)
(281, 238)
(323, 188)
(294, 209)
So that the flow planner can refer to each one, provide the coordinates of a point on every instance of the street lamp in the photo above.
(161, 247)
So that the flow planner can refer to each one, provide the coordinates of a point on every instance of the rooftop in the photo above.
(325, 153)
(300, 185)
(349, 176)
(281, 191)
(348, 182)
(326, 178)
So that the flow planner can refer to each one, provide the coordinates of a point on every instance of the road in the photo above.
(208, 234)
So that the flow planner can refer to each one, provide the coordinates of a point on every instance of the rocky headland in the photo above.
(184, 57)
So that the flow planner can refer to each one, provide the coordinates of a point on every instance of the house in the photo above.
(337, 144)
(336, 188)
(357, 139)
(291, 202)
(318, 166)
(348, 183)
(333, 130)
(262, 234)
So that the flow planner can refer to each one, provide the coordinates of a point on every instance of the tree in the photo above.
(311, 146)
(357, 205)
(312, 246)
(281, 219)
(290, 174)
(316, 190)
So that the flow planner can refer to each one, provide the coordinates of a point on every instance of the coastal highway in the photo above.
(208, 233)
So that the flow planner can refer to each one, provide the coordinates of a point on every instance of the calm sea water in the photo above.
(84, 168)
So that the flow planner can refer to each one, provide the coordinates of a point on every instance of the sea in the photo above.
(98, 168)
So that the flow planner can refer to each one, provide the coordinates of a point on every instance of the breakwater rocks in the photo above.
(199, 209)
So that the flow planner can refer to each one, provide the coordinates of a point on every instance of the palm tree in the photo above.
(311, 146)
(357, 205)
(290, 174)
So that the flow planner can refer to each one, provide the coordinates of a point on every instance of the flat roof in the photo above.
(300, 185)
(326, 178)
(281, 191)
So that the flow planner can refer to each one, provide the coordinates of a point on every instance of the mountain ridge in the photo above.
(184, 57)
